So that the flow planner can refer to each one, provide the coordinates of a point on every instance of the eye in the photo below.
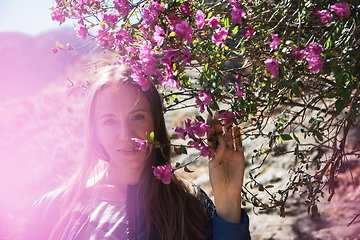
(109, 122)
(137, 117)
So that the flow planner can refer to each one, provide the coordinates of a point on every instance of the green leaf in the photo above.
(214, 121)
(339, 105)
(200, 118)
(152, 136)
(183, 149)
(286, 137)
(331, 95)
(319, 136)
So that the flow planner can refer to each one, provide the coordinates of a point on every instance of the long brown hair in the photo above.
(172, 208)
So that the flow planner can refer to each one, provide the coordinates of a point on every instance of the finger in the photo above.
(228, 134)
(237, 136)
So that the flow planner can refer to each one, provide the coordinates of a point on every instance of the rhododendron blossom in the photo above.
(57, 16)
(81, 30)
(294, 51)
(234, 3)
(219, 36)
(173, 20)
(313, 48)
(272, 67)
(200, 19)
(164, 173)
(204, 149)
(137, 76)
(122, 6)
(249, 31)
(201, 128)
(141, 142)
(274, 45)
(184, 31)
(342, 9)
(159, 36)
(239, 91)
(109, 18)
(315, 63)
(205, 100)
(185, 9)
(213, 21)
(181, 133)
(314, 57)
(170, 56)
(228, 117)
(237, 15)
(325, 16)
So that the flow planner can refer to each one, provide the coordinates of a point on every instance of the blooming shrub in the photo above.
(255, 56)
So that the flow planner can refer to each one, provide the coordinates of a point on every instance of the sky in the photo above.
(32, 17)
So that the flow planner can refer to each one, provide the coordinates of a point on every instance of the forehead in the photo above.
(121, 98)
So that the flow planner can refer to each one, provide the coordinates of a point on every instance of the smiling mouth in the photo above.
(127, 150)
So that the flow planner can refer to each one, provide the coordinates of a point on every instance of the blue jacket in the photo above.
(46, 213)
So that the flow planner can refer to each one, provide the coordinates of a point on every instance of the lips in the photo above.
(128, 150)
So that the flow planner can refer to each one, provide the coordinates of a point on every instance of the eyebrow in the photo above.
(131, 112)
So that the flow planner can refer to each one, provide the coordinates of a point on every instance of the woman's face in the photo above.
(122, 113)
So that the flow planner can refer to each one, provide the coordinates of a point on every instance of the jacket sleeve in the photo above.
(225, 230)
(217, 229)
(43, 217)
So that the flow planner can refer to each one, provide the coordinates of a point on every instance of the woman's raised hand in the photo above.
(226, 169)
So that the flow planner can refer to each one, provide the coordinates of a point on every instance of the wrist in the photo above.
(228, 208)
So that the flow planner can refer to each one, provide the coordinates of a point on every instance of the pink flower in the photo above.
(137, 76)
(57, 16)
(200, 19)
(159, 36)
(181, 131)
(325, 16)
(228, 117)
(109, 18)
(81, 30)
(272, 67)
(201, 128)
(188, 128)
(55, 50)
(142, 144)
(122, 6)
(184, 31)
(186, 57)
(237, 14)
(170, 56)
(214, 21)
(234, 3)
(315, 63)
(300, 55)
(168, 77)
(249, 31)
(219, 36)
(239, 91)
(206, 100)
(164, 173)
(173, 20)
(204, 149)
(313, 48)
(185, 9)
(274, 45)
(342, 9)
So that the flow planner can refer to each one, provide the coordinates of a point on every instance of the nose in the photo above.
(125, 131)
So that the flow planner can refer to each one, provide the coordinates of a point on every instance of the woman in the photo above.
(114, 194)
